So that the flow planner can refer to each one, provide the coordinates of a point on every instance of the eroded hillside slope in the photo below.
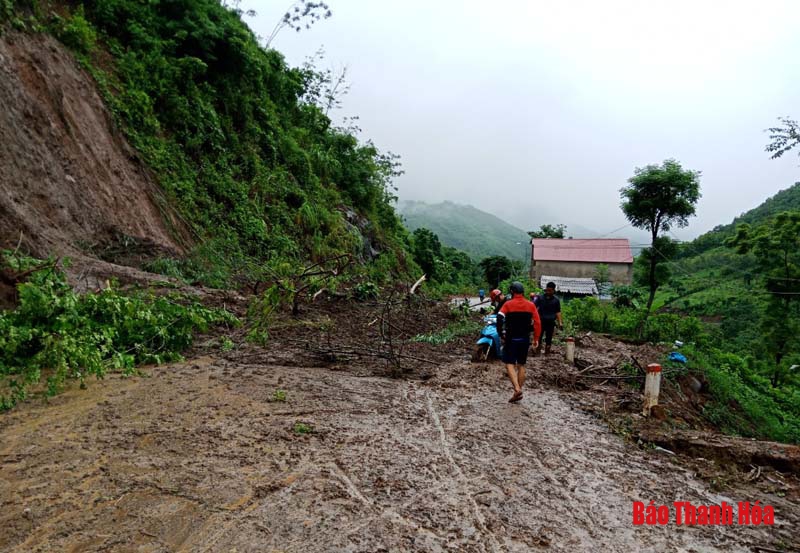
(68, 179)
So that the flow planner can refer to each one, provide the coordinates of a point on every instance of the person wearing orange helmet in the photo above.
(498, 299)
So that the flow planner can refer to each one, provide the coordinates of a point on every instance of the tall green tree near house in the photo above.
(548, 231)
(664, 249)
(775, 245)
(658, 198)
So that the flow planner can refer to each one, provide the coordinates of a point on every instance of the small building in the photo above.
(570, 286)
(579, 258)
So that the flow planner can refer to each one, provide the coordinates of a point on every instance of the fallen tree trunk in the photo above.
(731, 449)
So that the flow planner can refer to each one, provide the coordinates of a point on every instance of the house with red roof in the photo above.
(579, 258)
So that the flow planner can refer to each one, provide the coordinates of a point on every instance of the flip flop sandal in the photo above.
(516, 397)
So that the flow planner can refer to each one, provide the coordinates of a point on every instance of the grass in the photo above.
(302, 428)
(449, 333)
(226, 344)
(279, 396)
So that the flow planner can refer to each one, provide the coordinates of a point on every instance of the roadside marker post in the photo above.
(652, 386)
(570, 350)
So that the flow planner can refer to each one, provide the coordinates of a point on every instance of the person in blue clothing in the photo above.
(549, 307)
(481, 294)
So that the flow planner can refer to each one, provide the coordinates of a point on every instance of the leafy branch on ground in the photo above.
(55, 335)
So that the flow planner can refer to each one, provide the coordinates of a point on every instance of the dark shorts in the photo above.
(516, 352)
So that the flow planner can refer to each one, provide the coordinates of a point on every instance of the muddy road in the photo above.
(203, 456)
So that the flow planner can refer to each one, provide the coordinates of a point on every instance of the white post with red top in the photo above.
(652, 386)
(570, 353)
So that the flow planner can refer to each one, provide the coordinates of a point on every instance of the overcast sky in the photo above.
(540, 111)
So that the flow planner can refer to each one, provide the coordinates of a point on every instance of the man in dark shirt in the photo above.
(549, 308)
(516, 320)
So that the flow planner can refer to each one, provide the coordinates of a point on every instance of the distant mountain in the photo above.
(482, 234)
(785, 200)
(467, 228)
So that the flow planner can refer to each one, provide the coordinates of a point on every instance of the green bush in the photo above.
(57, 334)
(365, 291)
(744, 402)
(76, 32)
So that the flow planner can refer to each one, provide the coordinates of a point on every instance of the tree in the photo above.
(657, 198)
(460, 268)
(427, 250)
(548, 231)
(300, 15)
(323, 88)
(601, 274)
(775, 245)
(625, 296)
(663, 250)
(784, 137)
(443, 264)
(496, 269)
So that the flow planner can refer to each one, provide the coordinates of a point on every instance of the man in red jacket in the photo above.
(516, 320)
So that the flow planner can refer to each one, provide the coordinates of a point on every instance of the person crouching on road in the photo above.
(516, 320)
(549, 308)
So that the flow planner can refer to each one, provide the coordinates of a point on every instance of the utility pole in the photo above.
(525, 259)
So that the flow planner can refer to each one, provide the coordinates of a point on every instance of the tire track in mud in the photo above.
(200, 458)
(460, 478)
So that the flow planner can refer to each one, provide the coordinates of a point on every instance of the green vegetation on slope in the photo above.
(237, 139)
(712, 280)
(733, 297)
(785, 200)
(740, 296)
(246, 157)
(466, 228)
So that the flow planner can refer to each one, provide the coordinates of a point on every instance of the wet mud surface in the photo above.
(201, 457)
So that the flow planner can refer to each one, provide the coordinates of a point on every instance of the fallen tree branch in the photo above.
(755, 474)
(624, 376)
(358, 352)
(587, 369)
(416, 284)
(318, 293)
(610, 376)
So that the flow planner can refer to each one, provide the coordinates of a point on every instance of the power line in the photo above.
(616, 230)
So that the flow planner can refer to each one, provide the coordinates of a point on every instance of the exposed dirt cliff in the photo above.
(69, 182)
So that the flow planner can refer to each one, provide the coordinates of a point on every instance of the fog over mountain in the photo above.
(541, 110)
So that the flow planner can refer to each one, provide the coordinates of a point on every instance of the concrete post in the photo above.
(570, 354)
(652, 386)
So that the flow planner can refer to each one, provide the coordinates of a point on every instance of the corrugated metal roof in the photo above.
(568, 285)
(592, 250)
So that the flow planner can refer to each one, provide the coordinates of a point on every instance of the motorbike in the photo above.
(488, 344)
